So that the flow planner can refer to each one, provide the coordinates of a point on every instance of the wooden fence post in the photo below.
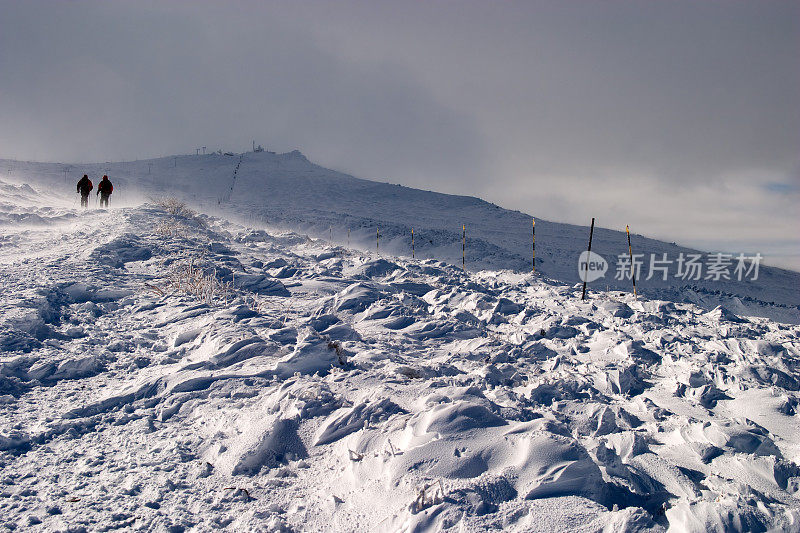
(630, 254)
(591, 231)
(533, 245)
(464, 247)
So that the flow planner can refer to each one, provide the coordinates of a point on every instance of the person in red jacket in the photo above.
(104, 189)
(84, 188)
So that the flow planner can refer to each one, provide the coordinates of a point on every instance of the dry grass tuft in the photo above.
(336, 346)
(428, 494)
(182, 220)
(185, 277)
(170, 229)
(175, 207)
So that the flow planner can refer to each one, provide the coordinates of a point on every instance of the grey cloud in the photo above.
(631, 110)
(123, 82)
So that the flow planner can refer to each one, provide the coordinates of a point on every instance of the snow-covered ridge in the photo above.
(321, 388)
(287, 192)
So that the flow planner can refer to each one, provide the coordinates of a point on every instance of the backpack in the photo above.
(86, 186)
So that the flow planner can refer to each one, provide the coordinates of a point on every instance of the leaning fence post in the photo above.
(630, 254)
(591, 231)
(463, 247)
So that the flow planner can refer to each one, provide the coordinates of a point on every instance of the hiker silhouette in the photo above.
(104, 189)
(84, 188)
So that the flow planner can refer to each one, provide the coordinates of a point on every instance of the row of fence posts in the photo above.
(533, 249)
(630, 256)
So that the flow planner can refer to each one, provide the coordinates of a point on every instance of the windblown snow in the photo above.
(287, 192)
(172, 371)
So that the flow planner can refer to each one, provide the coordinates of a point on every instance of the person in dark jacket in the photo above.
(84, 188)
(104, 189)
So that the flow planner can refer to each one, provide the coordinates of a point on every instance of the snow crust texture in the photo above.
(286, 192)
(167, 371)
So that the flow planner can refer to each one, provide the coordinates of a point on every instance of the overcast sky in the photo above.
(680, 118)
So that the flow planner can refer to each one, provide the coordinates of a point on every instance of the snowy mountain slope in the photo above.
(286, 191)
(319, 388)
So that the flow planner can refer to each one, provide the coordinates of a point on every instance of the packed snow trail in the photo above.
(162, 370)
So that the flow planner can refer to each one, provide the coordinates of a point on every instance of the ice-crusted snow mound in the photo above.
(319, 389)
